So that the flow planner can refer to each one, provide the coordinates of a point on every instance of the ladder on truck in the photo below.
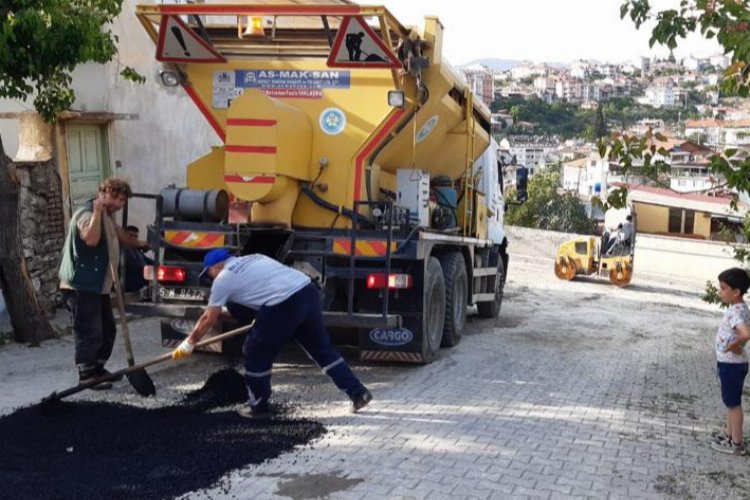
(387, 322)
(469, 184)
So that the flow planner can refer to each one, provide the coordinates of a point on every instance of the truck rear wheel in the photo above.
(456, 291)
(491, 309)
(433, 310)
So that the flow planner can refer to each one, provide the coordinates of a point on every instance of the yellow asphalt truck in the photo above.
(365, 159)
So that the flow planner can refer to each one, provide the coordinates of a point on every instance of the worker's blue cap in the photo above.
(214, 257)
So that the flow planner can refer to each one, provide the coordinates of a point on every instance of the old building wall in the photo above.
(42, 227)
(156, 130)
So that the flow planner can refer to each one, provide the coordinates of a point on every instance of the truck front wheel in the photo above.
(491, 309)
(433, 310)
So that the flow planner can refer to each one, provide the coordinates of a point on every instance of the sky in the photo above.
(540, 30)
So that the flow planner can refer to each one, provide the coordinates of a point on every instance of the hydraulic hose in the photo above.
(360, 219)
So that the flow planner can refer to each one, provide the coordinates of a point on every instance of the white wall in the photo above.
(169, 131)
(687, 259)
(9, 128)
(165, 132)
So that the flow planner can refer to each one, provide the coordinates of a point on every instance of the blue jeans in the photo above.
(299, 317)
(732, 377)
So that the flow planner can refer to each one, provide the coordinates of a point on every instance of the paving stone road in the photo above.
(578, 390)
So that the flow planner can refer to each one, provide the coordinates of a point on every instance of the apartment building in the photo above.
(659, 96)
(481, 80)
(720, 133)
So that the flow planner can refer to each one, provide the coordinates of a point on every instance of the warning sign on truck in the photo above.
(357, 46)
(302, 84)
(179, 43)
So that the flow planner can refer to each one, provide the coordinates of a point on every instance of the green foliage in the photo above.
(726, 20)
(570, 121)
(132, 75)
(600, 126)
(548, 209)
(560, 119)
(502, 103)
(729, 22)
(42, 41)
(634, 154)
(711, 294)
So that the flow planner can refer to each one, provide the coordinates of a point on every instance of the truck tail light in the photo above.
(391, 281)
(165, 274)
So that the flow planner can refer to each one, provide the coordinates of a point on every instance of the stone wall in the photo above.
(42, 227)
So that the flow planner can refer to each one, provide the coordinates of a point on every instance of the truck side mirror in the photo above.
(522, 178)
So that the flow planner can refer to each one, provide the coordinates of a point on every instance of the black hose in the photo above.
(446, 203)
(360, 219)
(368, 171)
(406, 240)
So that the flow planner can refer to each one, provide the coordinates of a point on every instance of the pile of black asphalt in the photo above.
(100, 450)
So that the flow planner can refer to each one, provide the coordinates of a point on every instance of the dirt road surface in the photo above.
(578, 390)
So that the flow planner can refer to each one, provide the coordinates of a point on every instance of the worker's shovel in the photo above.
(56, 396)
(139, 379)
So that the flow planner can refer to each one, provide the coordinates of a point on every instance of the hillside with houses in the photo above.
(549, 117)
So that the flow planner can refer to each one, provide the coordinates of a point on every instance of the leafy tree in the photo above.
(570, 121)
(728, 21)
(501, 103)
(548, 209)
(600, 126)
(41, 42)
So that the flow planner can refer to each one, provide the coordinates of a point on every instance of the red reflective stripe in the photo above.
(258, 179)
(378, 246)
(359, 163)
(209, 239)
(250, 122)
(259, 9)
(206, 112)
(180, 237)
(251, 149)
(346, 246)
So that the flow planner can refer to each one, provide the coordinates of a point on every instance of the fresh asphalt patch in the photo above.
(98, 450)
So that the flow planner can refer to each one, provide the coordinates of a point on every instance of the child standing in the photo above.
(731, 357)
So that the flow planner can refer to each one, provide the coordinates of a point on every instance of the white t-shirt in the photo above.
(733, 316)
(255, 281)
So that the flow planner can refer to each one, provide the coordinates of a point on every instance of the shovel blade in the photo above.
(141, 382)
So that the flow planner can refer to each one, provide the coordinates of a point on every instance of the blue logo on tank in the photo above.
(332, 121)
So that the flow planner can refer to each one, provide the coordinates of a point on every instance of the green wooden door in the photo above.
(87, 160)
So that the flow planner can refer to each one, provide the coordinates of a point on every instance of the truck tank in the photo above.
(301, 103)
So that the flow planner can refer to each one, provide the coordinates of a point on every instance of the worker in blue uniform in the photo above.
(287, 305)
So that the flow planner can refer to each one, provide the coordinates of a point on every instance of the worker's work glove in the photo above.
(183, 350)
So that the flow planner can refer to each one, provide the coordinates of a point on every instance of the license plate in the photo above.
(193, 294)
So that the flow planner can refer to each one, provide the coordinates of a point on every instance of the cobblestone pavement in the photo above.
(578, 390)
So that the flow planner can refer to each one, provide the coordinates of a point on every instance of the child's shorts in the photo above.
(732, 377)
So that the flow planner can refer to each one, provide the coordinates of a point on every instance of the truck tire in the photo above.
(456, 292)
(433, 310)
(491, 309)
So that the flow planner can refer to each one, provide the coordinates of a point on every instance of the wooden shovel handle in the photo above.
(154, 361)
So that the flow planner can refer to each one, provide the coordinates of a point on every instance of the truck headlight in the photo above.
(169, 78)
(396, 98)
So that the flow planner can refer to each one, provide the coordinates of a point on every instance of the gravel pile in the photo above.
(102, 450)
